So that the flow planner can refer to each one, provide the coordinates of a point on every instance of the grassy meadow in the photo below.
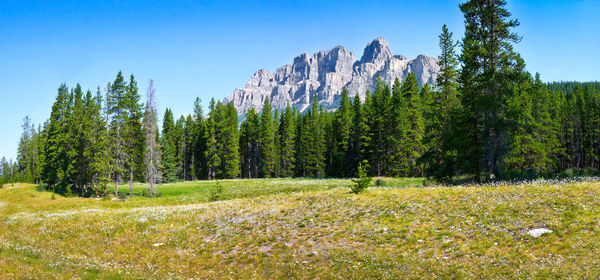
(304, 228)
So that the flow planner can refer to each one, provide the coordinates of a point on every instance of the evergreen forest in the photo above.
(486, 118)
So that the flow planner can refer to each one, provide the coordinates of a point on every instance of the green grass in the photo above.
(304, 228)
(398, 182)
(242, 188)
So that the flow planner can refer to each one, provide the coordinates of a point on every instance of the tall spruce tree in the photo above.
(525, 149)
(249, 145)
(199, 162)
(102, 147)
(134, 134)
(228, 139)
(413, 147)
(188, 143)
(179, 144)
(440, 106)
(267, 141)
(304, 139)
(37, 147)
(342, 121)
(287, 143)
(398, 129)
(168, 152)
(358, 132)
(78, 167)
(378, 111)
(490, 70)
(118, 128)
(211, 153)
(315, 144)
(25, 150)
(57, 143)
(276, 142)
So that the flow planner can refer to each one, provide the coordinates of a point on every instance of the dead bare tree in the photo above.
(152, 152)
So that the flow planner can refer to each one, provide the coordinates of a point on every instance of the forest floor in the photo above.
(304, 228)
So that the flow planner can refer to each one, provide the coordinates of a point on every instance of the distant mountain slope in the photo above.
(326, 73)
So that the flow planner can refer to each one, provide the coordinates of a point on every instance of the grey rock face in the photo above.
(326, 73)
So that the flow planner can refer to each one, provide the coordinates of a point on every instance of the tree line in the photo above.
(485, 118)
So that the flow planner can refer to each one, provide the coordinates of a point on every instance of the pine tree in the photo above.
(440, 107)
(199, 161)
(544, 112)
(134, 134)
(4, 171)
(524, 150)
(168, 152)
(100, 145)
(304, 139)
(367, 131)
(211, 154)
(228, 137)
(534, 138)
(358, 130)
(557, 143)
(589, 130)
(330, 144)
(594, 105)
(490, 70)
(314, 141)
(249, 145)
(118, 126)
(179, 144)
(188, 143)
(38, 142)
(55, 150)
(342, 121)
(25, 150)
(276, 144)
(78, 170)
(398, 129)
(428, 96)
(168, 161)
(267, 141)
(378, 111)
(287, 143)
(411, 146)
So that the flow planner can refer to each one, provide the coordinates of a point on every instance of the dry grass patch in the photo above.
(313, 232)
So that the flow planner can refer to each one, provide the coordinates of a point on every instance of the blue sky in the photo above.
(209, 48)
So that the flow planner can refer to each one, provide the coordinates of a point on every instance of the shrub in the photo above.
(101, 191)
(215, 193)
(362, 182)
(578, 172)
(123, 196)
(380, 182)
(146, 193)
(41, 187)
(589, 172)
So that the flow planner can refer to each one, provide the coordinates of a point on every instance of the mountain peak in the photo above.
(377, 50)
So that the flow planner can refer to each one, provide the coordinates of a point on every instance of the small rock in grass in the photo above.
(537, 232)
(158, 244)
(265, 249)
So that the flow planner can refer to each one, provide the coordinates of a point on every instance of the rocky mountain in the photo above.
(326, 73)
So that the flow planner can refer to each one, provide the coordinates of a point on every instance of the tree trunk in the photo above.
(130, 183)
(116, 186)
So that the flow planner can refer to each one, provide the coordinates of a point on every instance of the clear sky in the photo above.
(209, 48)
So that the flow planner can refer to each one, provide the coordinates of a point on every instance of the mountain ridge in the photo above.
(327, 73)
